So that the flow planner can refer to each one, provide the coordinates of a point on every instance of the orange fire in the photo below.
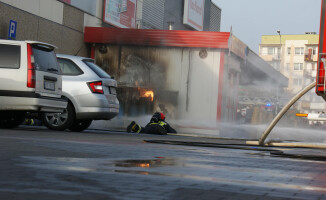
(149, 94)
(146, 93)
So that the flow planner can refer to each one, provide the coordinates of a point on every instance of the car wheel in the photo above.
(59, 121)
(12, 120)
(80, 125)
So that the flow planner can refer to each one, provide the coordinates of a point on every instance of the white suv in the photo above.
(30, 81)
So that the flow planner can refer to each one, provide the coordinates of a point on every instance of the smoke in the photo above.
(259, 96)
(308, 133)
(255, 132)
(137, 72)
(224, 130)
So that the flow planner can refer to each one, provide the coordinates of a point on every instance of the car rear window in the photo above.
(9, 56)
(96, 69)
(45, 59)
(69, 68)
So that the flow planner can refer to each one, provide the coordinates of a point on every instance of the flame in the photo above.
(146, 93)
(149, 94)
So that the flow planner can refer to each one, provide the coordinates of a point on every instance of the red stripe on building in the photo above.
(220, 88)
(93, 52)
(150, 37)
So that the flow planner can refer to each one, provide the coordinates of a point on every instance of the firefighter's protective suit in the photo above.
(157, 125)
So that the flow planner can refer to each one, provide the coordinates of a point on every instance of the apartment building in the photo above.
(295, 56)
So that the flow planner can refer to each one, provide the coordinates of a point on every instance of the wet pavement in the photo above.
(42, 164)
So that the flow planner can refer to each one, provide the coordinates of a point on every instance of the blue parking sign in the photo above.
(12, 30)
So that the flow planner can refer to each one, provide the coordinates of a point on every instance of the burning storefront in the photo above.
(191, 76)
(141, 74)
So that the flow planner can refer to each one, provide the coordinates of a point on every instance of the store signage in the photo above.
(194, 13)
(120, 13)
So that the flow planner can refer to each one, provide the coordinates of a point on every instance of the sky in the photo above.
(250, 19)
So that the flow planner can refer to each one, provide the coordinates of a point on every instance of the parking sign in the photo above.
(12, 30)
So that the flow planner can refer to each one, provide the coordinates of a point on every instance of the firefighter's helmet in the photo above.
(158, 116)
(162, 117)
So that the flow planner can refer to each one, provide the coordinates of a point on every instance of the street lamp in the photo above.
(279, 33)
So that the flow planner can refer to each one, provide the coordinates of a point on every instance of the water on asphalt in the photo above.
(121, 166)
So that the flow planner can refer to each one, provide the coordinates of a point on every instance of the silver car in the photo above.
(91, 94)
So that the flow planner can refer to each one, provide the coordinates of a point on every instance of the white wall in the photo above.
(203, 81)
(195, 79)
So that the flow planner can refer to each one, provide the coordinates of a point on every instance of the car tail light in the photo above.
(96, 87)
(31, 78)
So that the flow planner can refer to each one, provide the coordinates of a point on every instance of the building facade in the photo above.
(296, 57)
(191, 76)
(62, 22)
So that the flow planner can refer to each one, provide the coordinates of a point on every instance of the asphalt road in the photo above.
(37, 163)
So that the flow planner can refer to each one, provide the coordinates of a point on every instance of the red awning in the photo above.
(151, 37)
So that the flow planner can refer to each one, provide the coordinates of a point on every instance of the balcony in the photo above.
(308, 57)
(271, 57)
(276, 56)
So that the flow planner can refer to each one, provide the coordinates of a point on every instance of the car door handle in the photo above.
(50, 78)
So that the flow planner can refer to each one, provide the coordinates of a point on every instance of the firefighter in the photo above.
(157, 125)
(29, 122)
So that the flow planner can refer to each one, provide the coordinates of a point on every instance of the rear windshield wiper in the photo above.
(52, 70)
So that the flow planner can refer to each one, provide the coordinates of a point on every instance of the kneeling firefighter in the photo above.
(157, 125)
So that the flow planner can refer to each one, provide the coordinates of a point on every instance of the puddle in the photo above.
(68, 170)
(97, 164)
(159, 162)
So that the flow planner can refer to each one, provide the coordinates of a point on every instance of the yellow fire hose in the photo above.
(270, 127)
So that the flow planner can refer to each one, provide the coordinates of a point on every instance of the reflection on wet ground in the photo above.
(181, 168)
(126, 167)
(146, 163)
(96, 164)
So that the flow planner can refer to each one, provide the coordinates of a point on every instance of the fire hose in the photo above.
(272, 151)
(283, 111)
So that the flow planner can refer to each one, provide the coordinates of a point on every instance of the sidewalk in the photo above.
(236, 140)
(228, 131)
